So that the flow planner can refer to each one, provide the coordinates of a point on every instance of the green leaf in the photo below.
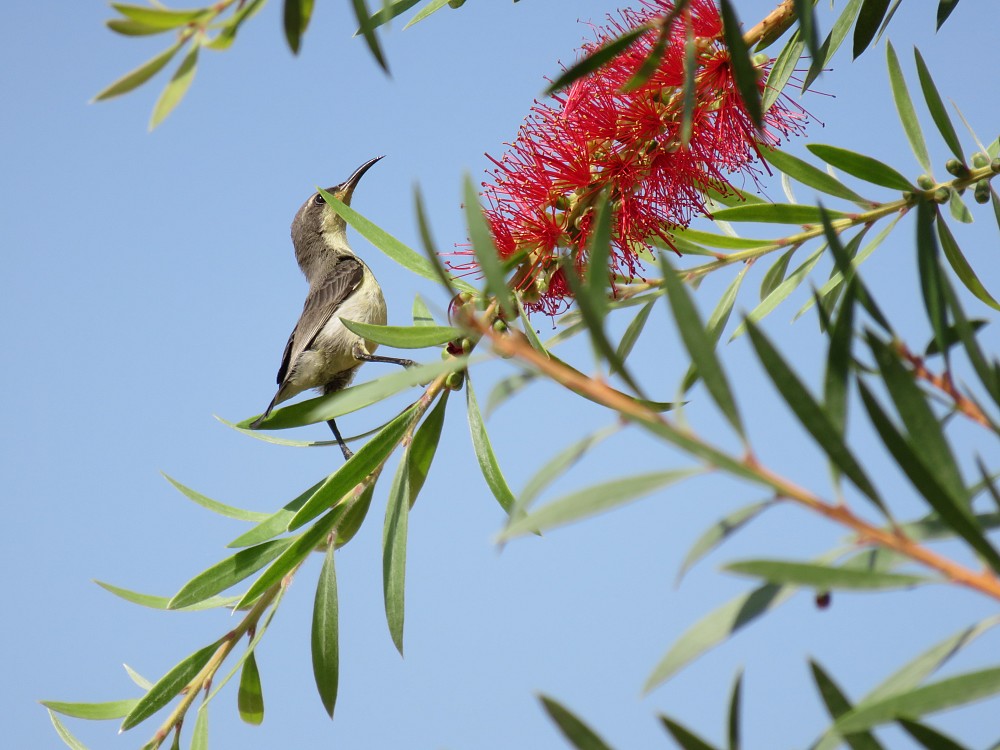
(812, 416)
(904, 106)
(744, 71)
(961, 266)
(296, 15)
(137, 678)
(333, 405)
(367, 29)
(833, 41)
(64, 734)
(863, 167)
(169, 686)
(871, 15)
(250, 698)
(690, 72)
(227, 35)
(424, 446)
(945, 7)
(595, 281)
(135, 78)
(929, 738)
(430, 248)
(371, 455)
(277, 523)
(937, 109)
(216, 507)
(717, 321)
(811, 176)
(404, 337)
(915, 703)
(199, 735)
(734, 712)
(633, 332)
(579, 734)
(128, 27)
(700, 346)
(354, 516)
(837, 705)
(325, 646)
(422, 315)
(163, 602)
(228, 572)
(596, 59)
(390, 10)
(776, 273)
(823, 576)
(93, 711)
(431, 7)
(684, 737)
(484, 452)
(808, 30)
(988, 373)
(394, 551)
(950, 509)
(930, 274)
(781, 71)
(716, 627)
(720, 240)
(392, 248)
(506, 388)
(486, 251)
(594, 499)
(774, 213)
(719, 531)
(162, 18)
(780, 292)
(176, 88)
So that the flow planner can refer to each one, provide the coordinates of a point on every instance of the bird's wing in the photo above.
(320, 305)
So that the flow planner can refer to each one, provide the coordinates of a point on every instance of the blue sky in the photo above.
(150, 284)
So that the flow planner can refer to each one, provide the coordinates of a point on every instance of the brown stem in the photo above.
(945, 384)
(515, 345)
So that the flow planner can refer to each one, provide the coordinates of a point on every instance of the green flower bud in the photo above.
(982, 191)
(455, 380)
(956, 168)
(925, 181)
(941, 195)
(980, 160)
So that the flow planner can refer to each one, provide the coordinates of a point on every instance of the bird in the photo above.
(321, 352)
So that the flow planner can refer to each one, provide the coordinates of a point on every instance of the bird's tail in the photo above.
(257, 422)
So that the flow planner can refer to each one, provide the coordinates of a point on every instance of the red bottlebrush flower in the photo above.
(599, 136)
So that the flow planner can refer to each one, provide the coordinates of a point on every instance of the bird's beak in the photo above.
(345, 190)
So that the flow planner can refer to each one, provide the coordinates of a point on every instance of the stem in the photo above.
(516, 346)
(945, 384)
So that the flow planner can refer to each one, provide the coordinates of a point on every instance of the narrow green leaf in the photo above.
(432, 7)
(723, 241)
(430, 247)
(732, 197)
(633, 331)
(734, 712)
(135, 78)
(937, 696)
(367, 29)
(222, 509)
(945, 7)
(333, 405)
(250, 698)
(959, 211)
(529, 330)
(808, 30)
(719, 531)
(780, 293)
(277, 523)
(863, 167)
(506, 388)
(169, 686)
(988, 373)
(833, 41)
(592, 500)
(781, 71)
(579, 734)
(717, 322)
(937, 109)
(424, 446)
(137, 678)
(812, 416)
(811, 176)
(823, 576)
(176, 88)
(700, 346)
(163, 602)
(744, 71)
(228, 572)
(92, 711)
(64, 734)
(930, 274)
(595, 281)
(227, 35)
(651, 62)
(928, 737)
(484, 452)
(388, 11)
(716, 627)
(486, 251)
(162, 17)
(199, 735)
(422, 315)
(128, 27)
(392, 248)
(925, 480)
(961, 266)
(684, 737)
(371, 455)
(904, 107)
(296, 15)
(404, 337)
(690, 90)
(595, 59)
(776, 273)
(354, 516)
(325, 643)
(394, 551)
(837, 705)
(839, 360)
(774, 213)
(871, 15)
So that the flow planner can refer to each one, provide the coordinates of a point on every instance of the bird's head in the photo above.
(317, 228)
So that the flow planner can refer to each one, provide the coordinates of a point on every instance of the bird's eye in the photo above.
(318, 199)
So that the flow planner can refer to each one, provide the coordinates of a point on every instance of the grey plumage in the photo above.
(321, 352)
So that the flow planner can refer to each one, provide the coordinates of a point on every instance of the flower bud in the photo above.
(926, 182)
(982, 191)
(941, 195)
(980, 160)
(956, 168)
(995, 166)
(454, 381)
(456, 3)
